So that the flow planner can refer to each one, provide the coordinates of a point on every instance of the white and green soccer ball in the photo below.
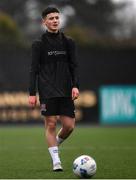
(84, 166)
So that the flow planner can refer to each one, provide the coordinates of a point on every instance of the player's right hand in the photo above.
(32, 101)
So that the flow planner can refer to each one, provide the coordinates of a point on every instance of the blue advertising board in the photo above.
(118, 105)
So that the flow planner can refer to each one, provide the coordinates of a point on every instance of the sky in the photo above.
(133, 1)
(127, 17)
(130, 9)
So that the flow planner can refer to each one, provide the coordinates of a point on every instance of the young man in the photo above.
(54, 67)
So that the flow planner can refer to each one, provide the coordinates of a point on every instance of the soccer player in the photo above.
(54, 72)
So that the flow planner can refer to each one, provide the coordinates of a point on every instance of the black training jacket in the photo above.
(54, 66)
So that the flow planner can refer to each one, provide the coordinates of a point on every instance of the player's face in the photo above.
(52, 22)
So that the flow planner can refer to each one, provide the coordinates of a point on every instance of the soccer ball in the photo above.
(84, 166)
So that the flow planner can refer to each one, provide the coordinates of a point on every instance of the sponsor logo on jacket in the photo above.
(55, 53)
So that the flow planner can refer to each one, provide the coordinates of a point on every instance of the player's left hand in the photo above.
(75, 93)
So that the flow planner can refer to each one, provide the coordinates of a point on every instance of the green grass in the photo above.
(24, 154)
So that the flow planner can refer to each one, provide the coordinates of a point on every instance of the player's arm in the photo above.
(73, 69)
(34, 69)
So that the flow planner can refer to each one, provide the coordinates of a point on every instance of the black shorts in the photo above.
(58, 106)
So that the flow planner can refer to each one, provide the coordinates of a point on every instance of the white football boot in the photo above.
(57, 167)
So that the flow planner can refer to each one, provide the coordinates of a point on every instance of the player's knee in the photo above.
(70, 127)
(51, 126)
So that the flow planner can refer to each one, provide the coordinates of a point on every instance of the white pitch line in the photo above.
(73, 147)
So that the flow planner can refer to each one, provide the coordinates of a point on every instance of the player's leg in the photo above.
(67, 118)
(68, 124)
(50, 127)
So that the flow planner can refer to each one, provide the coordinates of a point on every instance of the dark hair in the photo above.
(49, 10)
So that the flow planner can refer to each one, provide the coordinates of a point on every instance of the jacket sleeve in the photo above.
(34, 68)
(73, 64)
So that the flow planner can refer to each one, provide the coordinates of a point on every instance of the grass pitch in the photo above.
(24, 154)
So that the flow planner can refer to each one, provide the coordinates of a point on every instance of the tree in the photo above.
(9, 31)
(96, 15)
